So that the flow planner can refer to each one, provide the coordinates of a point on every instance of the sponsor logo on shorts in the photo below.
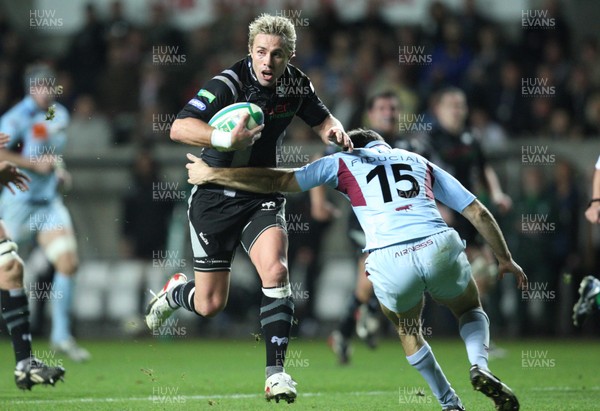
(404, 208)
(279, 340)
(203, 238)
(413, 248)
(270, 205)
(210, 261)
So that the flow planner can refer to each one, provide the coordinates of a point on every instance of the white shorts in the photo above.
(23, 220)
(403, 272)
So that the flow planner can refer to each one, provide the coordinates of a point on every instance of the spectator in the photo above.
(86, 58)
(89, 131)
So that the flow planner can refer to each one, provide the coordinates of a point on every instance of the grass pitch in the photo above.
(188, 374)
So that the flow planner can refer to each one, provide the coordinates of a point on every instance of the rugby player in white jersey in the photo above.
(412, 250)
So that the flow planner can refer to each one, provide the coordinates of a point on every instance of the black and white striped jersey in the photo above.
(293, 95)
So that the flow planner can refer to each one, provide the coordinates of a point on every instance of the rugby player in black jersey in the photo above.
(220, 217)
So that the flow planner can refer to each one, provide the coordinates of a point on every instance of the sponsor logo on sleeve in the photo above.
(207, 94)
(198, 104)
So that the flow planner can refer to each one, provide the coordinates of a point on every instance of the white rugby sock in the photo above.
(474, 328)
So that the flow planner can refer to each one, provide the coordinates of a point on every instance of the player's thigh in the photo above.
(396, 278)
(265, 240)
(20, 223)
(466, 301)
(216, 222)
(447, 270)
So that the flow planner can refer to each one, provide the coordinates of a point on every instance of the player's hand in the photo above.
(511, 267)
(338, 136)
(4, 138)
(241, 137)
(44, 164)
(10, 174)
(592, 214)
(65, 180)
(198, 171)
(503, 202)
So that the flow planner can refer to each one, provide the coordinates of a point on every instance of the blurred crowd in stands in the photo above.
(110, 68)
(118, 85)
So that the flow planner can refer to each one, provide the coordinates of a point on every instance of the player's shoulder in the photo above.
(295, 73)
(26, 104)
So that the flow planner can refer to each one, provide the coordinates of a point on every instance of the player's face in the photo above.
(383, 116)
(269, 58)
(41, 97)
(452, 111)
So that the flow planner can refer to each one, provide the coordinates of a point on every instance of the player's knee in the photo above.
(274, 275)
(11, 266)
(62, 253)
(209, 307)
(12, 275)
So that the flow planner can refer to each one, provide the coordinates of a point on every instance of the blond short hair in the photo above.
(274, 25)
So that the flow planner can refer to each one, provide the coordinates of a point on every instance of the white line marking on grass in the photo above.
(582, 388)
(160, 399)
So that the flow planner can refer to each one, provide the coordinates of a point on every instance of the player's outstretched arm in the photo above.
(10, 174)
(486, 225)
(332, 131)
(258, 180)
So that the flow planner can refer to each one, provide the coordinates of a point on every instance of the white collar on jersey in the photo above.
(377, 143)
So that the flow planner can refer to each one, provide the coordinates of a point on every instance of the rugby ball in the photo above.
(227, 118)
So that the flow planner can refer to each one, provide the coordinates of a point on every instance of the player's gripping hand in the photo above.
(198, 171)
(338, 136)
(10, 174)
(237, 139)
(510, 266)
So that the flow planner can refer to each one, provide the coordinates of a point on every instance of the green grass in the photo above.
(188, 374)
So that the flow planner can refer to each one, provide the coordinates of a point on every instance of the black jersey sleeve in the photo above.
(218, 92)
(312, 110)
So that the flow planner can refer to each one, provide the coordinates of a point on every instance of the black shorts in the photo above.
(218, 223)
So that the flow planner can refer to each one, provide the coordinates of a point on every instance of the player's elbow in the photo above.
(475, 211)
(176, 133)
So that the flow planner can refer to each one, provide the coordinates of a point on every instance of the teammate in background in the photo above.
(589, 288)
(412, 250)
(36, 127)
(14, 305)
(221, 217)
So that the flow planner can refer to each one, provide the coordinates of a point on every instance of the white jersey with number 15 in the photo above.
(392, 191)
